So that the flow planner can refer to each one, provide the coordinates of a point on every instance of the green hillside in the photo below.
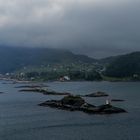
(14, 58)
(125, 66)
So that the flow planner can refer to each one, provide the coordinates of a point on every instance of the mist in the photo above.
(96, 28)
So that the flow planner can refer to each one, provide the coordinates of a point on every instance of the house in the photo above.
(64, 78)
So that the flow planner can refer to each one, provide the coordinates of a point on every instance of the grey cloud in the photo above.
(94, 27)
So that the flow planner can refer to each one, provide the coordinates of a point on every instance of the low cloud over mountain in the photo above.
(95, 27)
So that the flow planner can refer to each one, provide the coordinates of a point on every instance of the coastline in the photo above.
(110, 79)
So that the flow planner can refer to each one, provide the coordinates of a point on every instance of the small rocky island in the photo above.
(43, 91)
(117, 100)
(97, 94)
(76, 103)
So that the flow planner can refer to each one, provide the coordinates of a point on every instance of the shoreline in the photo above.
(40, 81)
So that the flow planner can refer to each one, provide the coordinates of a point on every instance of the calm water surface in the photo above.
(22, 119)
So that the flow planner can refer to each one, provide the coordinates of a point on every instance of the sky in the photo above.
(97, 28)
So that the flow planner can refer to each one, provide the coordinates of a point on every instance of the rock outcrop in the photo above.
(117, 100)
(43, 91)
(73, 103)
(97, 94)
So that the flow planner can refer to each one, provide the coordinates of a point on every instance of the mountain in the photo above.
(14, 58)
(124, 66)
(108, 60)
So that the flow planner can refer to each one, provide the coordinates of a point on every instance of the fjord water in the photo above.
(22, 119)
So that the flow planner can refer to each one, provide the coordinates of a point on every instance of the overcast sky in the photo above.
(98, 28)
